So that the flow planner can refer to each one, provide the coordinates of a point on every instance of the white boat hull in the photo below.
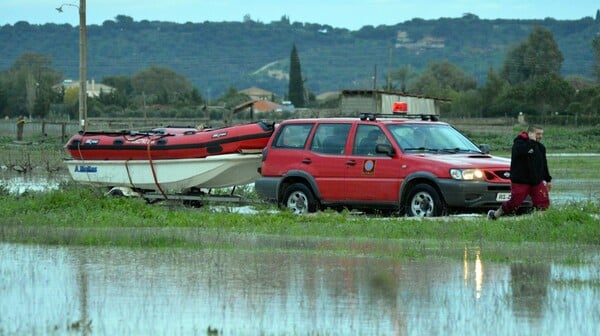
(174, 175)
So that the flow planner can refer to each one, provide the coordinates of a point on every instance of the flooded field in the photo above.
(563, 192)
(275, 291)
(121, 291)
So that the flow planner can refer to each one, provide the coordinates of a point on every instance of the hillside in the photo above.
(215, 56)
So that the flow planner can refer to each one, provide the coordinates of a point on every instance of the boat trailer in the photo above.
(194, 197)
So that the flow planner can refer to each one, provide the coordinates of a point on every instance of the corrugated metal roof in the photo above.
(363, 92)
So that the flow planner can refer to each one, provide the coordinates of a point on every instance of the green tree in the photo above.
(121, 83)
(232, 98)
(160, 85)
(596, 47)
(296, 83)
(442, 79)
(194, 97)
(467, 104)
(123, 93)
(593, 108)
(403, 75)
(493, 90)
(550, 94)
(71, 96)
(511, 102)
(534, 58)
(3, 96)
(28, 86)
(124, 20)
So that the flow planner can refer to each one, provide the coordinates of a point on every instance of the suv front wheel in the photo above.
(424, 201)
(299, 199)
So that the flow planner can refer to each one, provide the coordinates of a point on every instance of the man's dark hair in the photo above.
(533, 128)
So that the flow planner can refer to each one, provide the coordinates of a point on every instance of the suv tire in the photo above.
(299, 199)
(424, 201)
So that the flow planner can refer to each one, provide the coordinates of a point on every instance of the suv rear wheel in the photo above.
(299, 199)
(424, 201)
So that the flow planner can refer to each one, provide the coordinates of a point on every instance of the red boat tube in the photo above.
(168, 142)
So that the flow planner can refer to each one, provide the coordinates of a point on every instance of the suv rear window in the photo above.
(330, 138)
(293, 136)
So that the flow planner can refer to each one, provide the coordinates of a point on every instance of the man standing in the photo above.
(529, 173)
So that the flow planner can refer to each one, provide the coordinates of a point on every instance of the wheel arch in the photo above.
(415, 179)
(297, 176)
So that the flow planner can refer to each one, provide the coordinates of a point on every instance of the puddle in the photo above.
(61, 290)
(22, 184)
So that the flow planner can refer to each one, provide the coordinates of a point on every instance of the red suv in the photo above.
(417, 167)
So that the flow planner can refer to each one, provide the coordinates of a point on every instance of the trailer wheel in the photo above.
(193, 203)
(300, 199)
(424, 201)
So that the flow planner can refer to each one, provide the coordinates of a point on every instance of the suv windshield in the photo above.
(431, 138)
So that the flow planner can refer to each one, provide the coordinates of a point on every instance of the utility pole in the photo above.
(82, 62)
(82, 67)
(389, 74)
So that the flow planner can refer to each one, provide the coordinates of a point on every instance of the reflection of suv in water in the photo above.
(417, 167)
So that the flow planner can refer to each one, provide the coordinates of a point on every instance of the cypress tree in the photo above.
(296, 84)
(596, 48)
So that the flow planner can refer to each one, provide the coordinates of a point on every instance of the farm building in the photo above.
(354, 102)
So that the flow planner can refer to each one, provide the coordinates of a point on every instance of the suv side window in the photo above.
(330, 138)
(367, 138)
(292, 136)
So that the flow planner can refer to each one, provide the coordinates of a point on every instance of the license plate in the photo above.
(501, 197)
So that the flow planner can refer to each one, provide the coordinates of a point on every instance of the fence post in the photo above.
(20, 126)
(43, 127)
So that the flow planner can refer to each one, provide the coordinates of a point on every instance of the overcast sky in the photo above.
(351, 14)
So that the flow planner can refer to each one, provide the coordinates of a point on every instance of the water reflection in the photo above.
(478, 271)
(529, 287)
(60, 290)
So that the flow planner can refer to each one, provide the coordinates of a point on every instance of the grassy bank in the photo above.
(77, 215)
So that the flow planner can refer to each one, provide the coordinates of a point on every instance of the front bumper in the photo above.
(473, 194)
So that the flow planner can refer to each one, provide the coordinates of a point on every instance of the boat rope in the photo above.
(129, 173)
(154, 170)
(79, 144)
(81, 155)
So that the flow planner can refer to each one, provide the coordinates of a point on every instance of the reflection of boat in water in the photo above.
(169, 176)
(168, 142)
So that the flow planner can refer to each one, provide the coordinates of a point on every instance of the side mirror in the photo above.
(385, 149)
(485, 148)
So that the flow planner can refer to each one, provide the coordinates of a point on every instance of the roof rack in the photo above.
(373, 116)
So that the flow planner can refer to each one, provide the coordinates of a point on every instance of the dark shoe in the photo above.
(491, 215)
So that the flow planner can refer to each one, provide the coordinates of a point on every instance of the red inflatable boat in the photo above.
(169, 142)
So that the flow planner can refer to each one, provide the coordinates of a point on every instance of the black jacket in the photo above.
(528, 163)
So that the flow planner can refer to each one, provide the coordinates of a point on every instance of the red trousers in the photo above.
(538, 193)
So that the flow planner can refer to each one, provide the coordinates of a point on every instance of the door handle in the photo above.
(307, 161)
(351, 163)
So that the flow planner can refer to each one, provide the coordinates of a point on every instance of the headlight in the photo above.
(466, 174)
